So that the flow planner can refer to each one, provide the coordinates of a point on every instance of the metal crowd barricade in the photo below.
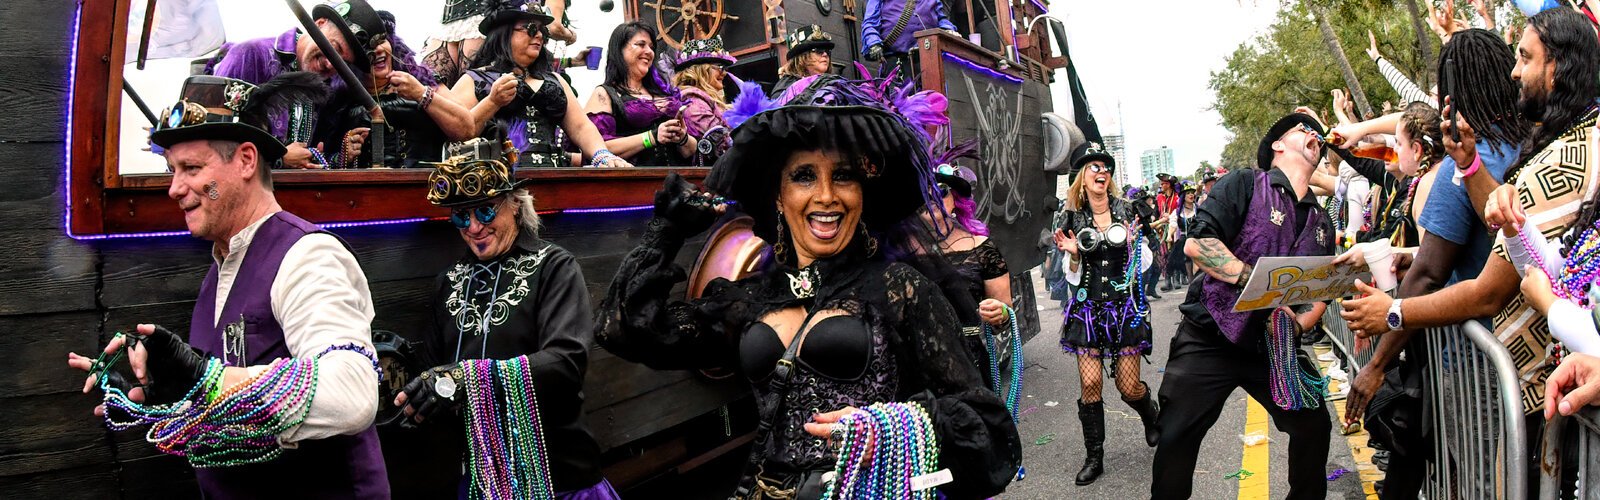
(1570, 467)
(1344, 340)
(1480, 445)
(1479, 435)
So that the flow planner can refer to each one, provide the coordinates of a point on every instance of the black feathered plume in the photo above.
(948, 155)
(272, 100)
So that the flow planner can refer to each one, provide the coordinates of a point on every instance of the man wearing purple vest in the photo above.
(279, 289)
(1250, 214)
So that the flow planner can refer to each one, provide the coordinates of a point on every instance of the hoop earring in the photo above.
(872, 243)
(781, 247)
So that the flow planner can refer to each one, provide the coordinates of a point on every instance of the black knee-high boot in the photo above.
(1093, 416)
(1149, 413)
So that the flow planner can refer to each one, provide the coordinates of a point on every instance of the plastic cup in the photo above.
(593, 61)
(1380, 259)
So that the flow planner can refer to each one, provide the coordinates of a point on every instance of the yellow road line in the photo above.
(1369, 473)
(1256, 458)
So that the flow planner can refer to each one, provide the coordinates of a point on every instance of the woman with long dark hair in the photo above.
(846, 328)
(1179, 267)
(513, 84)
(636, 110)
(1105, 317)
(407, 94)
(967, 246)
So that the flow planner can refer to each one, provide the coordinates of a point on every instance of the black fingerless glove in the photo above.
(875, 52)
(172, 368)
(437, 391)
(690, 211)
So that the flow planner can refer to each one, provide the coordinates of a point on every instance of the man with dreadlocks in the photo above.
(1455, 243)
(1557, 59)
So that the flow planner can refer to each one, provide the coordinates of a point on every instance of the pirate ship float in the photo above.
(93, 250)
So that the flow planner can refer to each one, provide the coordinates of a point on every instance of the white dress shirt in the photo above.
(320, 298)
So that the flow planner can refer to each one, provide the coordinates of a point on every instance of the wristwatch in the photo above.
(1395, 319)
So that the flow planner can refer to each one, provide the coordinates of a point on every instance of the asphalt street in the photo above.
(1053, 440)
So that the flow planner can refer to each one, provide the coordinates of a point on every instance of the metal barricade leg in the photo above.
(1480, 447)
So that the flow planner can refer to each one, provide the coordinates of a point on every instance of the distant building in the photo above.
(1154, 162)
(1114, 145)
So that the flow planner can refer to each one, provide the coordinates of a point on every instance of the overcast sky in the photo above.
(1154, 58)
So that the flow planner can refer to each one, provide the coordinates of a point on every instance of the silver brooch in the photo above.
(1277, 217)
(803, 283)
(233, 343)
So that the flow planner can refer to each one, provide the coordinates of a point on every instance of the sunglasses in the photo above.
(1310, 132)
(462, 217)
(534, 29)
(1100, 169)
(944, 189)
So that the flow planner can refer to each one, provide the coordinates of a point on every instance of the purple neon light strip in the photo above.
(980, 68)
(1042, 8)
(606, 210)
(72, 87)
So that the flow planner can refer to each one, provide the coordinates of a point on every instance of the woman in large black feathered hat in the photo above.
(833, 180)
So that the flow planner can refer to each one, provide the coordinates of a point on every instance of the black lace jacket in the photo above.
(917, 352)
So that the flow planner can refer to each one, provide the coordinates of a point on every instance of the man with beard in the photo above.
(352, 27)
(1454, 246)
(1557, 59)
(1250, 214)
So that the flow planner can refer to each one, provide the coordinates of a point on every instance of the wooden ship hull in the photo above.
(93, 252)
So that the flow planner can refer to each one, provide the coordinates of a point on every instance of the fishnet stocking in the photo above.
(1090, 370)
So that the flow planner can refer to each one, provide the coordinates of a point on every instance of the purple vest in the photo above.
(1268, 231)
(337, 467)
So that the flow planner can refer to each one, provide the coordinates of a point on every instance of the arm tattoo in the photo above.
(1215, 257)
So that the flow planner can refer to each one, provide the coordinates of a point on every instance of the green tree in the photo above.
(1289, 66)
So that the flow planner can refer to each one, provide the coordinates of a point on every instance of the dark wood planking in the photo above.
(164, 477)
(152, 270)
(403, 306)
(95, 482)
(33, 90)
(51, 432)
(34, 350)
(31, 199)
(36, 28)
(45, 272)
(658, 410)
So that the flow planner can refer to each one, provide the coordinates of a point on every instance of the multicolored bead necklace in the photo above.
(236, 426)
(1580, 270)
(1013, 391)
(504, 435)
(883, 447)
(1293, 387)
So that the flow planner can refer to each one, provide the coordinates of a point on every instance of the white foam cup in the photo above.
(1380, 259)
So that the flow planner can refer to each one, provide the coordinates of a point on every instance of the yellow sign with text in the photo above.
(1290, 281)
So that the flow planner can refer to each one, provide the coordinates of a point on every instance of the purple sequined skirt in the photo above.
(1106, 329)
